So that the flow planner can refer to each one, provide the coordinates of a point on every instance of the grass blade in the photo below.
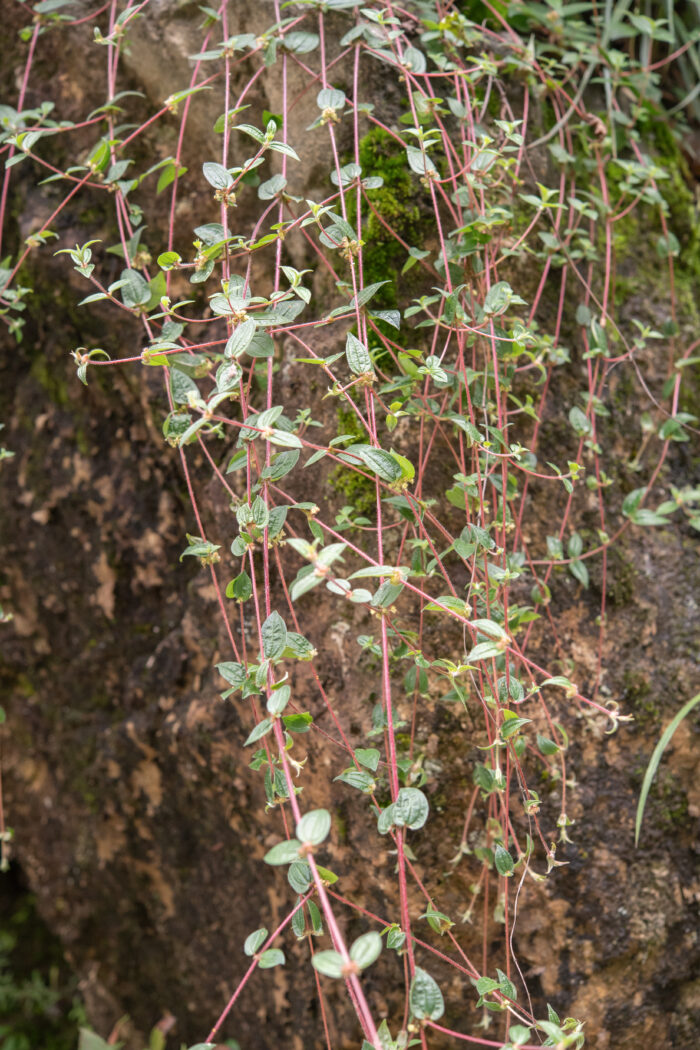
(656, 758)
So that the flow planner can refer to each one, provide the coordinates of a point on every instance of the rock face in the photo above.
(138, 822)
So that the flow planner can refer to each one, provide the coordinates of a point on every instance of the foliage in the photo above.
(453, 293)
(39, 1005)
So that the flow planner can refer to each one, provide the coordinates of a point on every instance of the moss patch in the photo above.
(357, 490)
(396, 204)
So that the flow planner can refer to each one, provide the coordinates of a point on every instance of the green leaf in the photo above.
(575, 545)
(301, 43)
(304, 582)
(275, 524)
(167, 260)
(281, 465)
(182, 387)
(330, 98)
(437, 920)
(282, 147)
(299, 722)
(314, 826)
(283, 853)
(631, 502)
(546, 746)
(420, 162)
(234, 673)
(395, 939)
(414, 60)
(254, 941)
(211, 233)
(503, 860)
(367, 293)
(579, 571)
(498, 298)
(485, 651)
(512, 725)
(272, 957)
(327, 876)
(425, 997)
(553, 1031)
(329, 963)
(455, 605)
(298, 647)
(562, 681)
(386, 595)
(380, 462)
(241, 338)
(486, 985)
(134, 289)
(262, 345)
(274, 636)
(369, 757)
(299, 876)
(241, 588)
(366, 949)
(656, 759)
(284, 439)
(357, 778)
(379, 570)
(199, 548)
(268, 190)
(411, 808)
(488, 627)
(91, 1041)
(217, 176)
(261, 730)
(580, 421)
(506, 985)
(385, 820)
(278, 700)
(357, 355)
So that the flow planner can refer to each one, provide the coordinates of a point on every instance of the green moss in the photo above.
(672, 801)
(637, 233)
(395, 201)
(622, 575)
(51, 380)
(355, 489)
(24, 686)
(638, 695)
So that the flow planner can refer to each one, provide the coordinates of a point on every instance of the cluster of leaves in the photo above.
(455, 395)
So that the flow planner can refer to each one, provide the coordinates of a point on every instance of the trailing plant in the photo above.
(452, 293)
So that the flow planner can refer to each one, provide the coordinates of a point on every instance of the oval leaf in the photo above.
(426, 998)
(384, 466)
(503, 861)
(329, 963)
(357, 355)
(274, 636)
(314, 826)
(272, 957)
(254, 941)
(411, 808)
(283, 852)
(240, 339)
(366, 949)
(217, 176)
